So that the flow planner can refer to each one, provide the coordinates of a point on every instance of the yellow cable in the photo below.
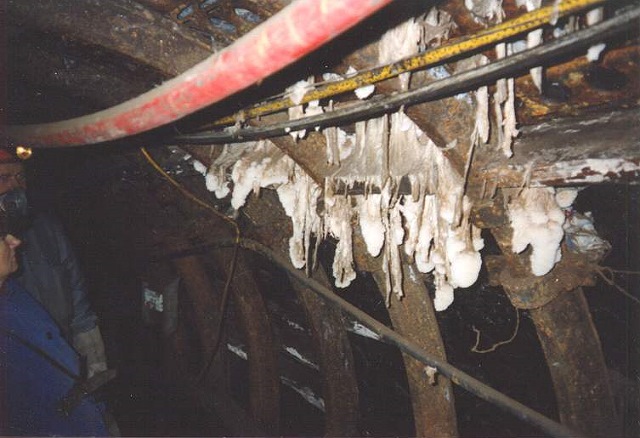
(187, 193)
(232, 266)
(492, 35)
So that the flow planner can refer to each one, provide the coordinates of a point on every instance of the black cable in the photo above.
(455, 84)
(391, 337)
(224, 305)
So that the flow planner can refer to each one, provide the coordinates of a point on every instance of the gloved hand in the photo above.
(91, 346)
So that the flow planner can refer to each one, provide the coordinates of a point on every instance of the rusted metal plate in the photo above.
(599, 148)
(579, 85)
(530, 292)
(264, 382)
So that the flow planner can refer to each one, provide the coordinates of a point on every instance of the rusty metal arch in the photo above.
(340, 389)
(414, 318)
(567, 335)
(254, 321)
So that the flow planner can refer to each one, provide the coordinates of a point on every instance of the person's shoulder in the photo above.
(45, 234)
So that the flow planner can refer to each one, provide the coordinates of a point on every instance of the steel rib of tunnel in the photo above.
(460, 82)
(457, 376)
(297, 30)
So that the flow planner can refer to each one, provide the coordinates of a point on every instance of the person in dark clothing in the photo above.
(42, 391)
(50, 272)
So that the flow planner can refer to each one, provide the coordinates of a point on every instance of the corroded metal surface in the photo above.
(580, 379)
(570, 342)
(530, 292)
(579, 85)
(599, 148)
(573, 151)
(264, 382)
(340, 388)
(204, 296)
(414, 317)
(336, 361)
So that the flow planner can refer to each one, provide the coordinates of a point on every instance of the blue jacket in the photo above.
(31, 385)
(50, 272)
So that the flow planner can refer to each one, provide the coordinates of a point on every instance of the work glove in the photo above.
(91, 346)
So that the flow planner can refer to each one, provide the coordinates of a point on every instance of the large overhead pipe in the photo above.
(297, 30)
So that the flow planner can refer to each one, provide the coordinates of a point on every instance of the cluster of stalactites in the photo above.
(430, 224)
(537, 219)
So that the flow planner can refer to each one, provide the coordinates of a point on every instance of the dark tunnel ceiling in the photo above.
(64, 55)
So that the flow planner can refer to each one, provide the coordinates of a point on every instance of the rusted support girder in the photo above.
(340, 387)
(336, 360)
(574, 354)
(414, 317)
(569, 340)
(204, 296)
(264, 381)
(599, 148)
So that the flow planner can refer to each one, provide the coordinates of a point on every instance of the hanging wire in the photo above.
(217, 340)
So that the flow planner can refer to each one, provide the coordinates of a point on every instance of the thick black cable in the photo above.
(455, 84)
(391, 337)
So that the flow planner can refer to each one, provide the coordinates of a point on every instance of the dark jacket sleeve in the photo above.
(51, 273)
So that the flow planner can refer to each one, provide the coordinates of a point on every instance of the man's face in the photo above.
(12, 177)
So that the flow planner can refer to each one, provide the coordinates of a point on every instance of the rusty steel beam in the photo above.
(599, 148)
(569, 340)
(340, 391)
(264, 382)
(205, 297)
(340, 387)
(414, 318)
(580, 379)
